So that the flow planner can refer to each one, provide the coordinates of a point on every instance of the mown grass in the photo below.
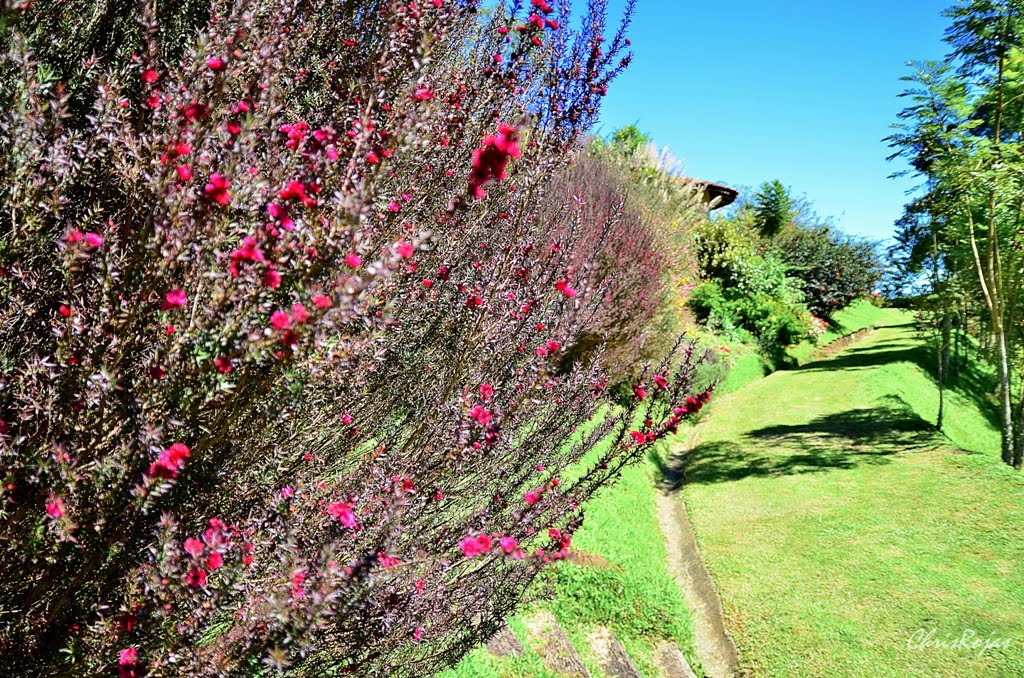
(859, 315)
(842, 530)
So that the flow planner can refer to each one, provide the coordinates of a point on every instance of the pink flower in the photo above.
(475, 546)
(372, 158)
(217, 189)
(639, 393)
(417, 635)
(169, 462)
(280, 320)
(490, 163)
(214, 561)
(404, 249)
(287, 491)
(423, 94)
(196, 578)
(55, 508)
(184, 173)
(486, 391)
(174, 299)
(215, 64)
(321, 301)
(129, 655)
(342, 512)
(531, 498)
(272, 279)
(566, 289)
(353, 260)
(553, 346)
(661, 381)
(299, 313)
(127, 663)
(393, 206)
(508, 544)
(93, 239)
(386, 561)
(194, 547)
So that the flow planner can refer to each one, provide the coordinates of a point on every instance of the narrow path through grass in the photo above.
(846, 536)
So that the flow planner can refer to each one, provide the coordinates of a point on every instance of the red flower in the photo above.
(638, 392)
(553, 346)
(215, 561)
(64, 310)
(149, 76)
(480, 415)
(372, 158)
(565, 288)
(343, 512)
(490, 163)
(169, 462)
(353, 260)
(215, 64)
(475, 546)
(217, 189)
(223, 364)
(196, 578)
(661, 381)
(638, 438)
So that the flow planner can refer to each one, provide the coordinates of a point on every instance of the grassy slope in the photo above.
(637, 597)
(836, 523)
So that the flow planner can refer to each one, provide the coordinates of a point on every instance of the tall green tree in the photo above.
(773, 208)
(963, 134)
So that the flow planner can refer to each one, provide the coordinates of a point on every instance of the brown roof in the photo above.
(715, 195)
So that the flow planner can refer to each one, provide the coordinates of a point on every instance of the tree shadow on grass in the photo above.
(838, 441)
(971, 380)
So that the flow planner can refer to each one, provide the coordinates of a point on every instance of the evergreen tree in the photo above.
(773, 208)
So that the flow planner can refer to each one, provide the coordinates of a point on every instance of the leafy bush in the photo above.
(834, 269)
(280, 356)
(746, 295)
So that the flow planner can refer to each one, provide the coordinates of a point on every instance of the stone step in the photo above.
(554, 647)
(611, 655)
(504, 644)
(671, 663)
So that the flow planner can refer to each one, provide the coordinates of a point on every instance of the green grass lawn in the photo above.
(841, 529)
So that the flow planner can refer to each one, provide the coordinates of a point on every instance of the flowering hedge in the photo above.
(282, 374)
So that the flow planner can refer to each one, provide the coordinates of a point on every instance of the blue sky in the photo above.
(803, 91)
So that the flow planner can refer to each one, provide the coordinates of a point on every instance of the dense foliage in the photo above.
(833, 269)
(286, 309)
